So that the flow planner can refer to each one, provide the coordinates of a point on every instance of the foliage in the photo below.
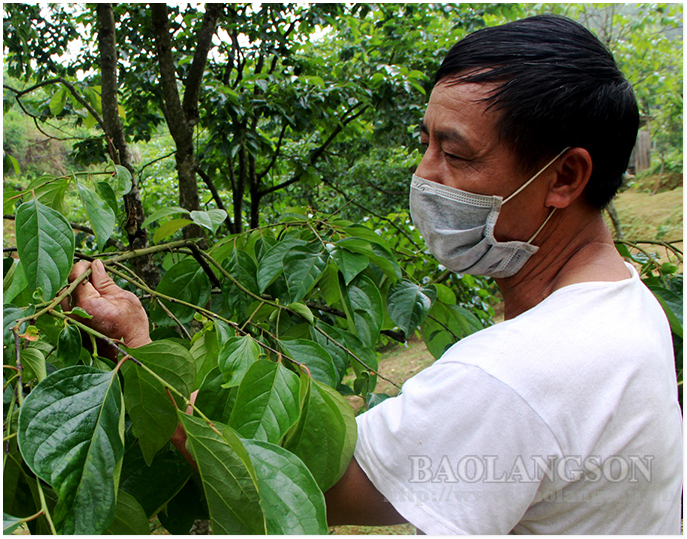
(299, 107)
(665, 280)
(264, 324)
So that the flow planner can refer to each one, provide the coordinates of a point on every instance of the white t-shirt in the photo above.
(564, 419)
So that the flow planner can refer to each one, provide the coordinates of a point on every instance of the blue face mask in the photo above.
(458, 228)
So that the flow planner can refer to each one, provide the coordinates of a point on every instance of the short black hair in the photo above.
(557, 86)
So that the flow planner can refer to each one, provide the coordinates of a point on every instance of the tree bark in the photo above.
(182, 117)
(107, 49)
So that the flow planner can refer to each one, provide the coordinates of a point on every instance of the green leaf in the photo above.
(152, 412)
(303, 266)
(13, 161)
(34, 364)
(376, 252)
(364, 303)
(106, 192)
(99, 212)
(211, 219)
(122, 181)
(446, 325)
(130, 519)
(373, 399)
(80, 312)
(51, 191)
(69, 345)
(71, 430)
(45, 243)
(163, 212)
(89, 121)
(10, 523)
(58, 101)
(325, 436)
(409, 304)
(215, 401)
(188, 282)
(18, 284)
(169, 228)
(267, 402)
(350, 264)
(271, 264)
(235, 358)
(316, 358)
(205, 352)
(228, 477)
(303, 310)
(672, 305)
(293, 503)
(153, 486)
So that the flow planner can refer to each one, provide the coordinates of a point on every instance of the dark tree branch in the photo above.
(276, 153)
(367, 210)
(195, 75)
(319, 151)
(173, 111)
(170, 154)
(395, 335)
(112, 126)
(215, 195)
(66, 84)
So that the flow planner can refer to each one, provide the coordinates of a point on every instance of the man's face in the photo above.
(464, 152)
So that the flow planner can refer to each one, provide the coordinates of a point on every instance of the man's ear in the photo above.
(571, 174)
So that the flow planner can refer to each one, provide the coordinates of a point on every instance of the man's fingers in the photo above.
(78, 269)
(83, 293)
(99, 277)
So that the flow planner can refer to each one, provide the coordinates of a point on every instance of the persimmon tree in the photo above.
(271, 311)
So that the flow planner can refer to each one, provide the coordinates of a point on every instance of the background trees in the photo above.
(256, 159)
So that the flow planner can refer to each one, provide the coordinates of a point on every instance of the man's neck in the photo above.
(577, 248)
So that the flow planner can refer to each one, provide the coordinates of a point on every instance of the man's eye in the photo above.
(452, 157)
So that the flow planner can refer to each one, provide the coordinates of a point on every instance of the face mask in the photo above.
(458, 228)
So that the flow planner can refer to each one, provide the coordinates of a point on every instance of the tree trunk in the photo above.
(182, 117)
(254, 193)
(138, 237)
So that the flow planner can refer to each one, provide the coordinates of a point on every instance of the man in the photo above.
(563, 418)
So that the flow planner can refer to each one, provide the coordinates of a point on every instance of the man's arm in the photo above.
(355, 500)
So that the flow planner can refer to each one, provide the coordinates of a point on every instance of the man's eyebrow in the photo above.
(448, 134)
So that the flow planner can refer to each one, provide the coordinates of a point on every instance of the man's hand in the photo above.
(116, 313)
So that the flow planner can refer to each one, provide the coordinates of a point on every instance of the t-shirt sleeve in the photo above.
(457, 452)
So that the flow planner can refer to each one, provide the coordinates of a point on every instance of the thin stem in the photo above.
(124, 256)
(20, 367)
(345, 349)
(44, 507)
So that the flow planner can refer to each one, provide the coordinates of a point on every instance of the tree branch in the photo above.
(276, 153)
(68, 85)
(195, 74)
(319, 151)
(215, 195)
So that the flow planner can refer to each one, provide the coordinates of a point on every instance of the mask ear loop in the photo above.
(542, 225)
(537, 175)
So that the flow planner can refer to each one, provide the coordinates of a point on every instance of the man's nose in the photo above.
(428, 168)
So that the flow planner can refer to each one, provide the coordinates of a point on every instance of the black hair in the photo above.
(557, 86)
